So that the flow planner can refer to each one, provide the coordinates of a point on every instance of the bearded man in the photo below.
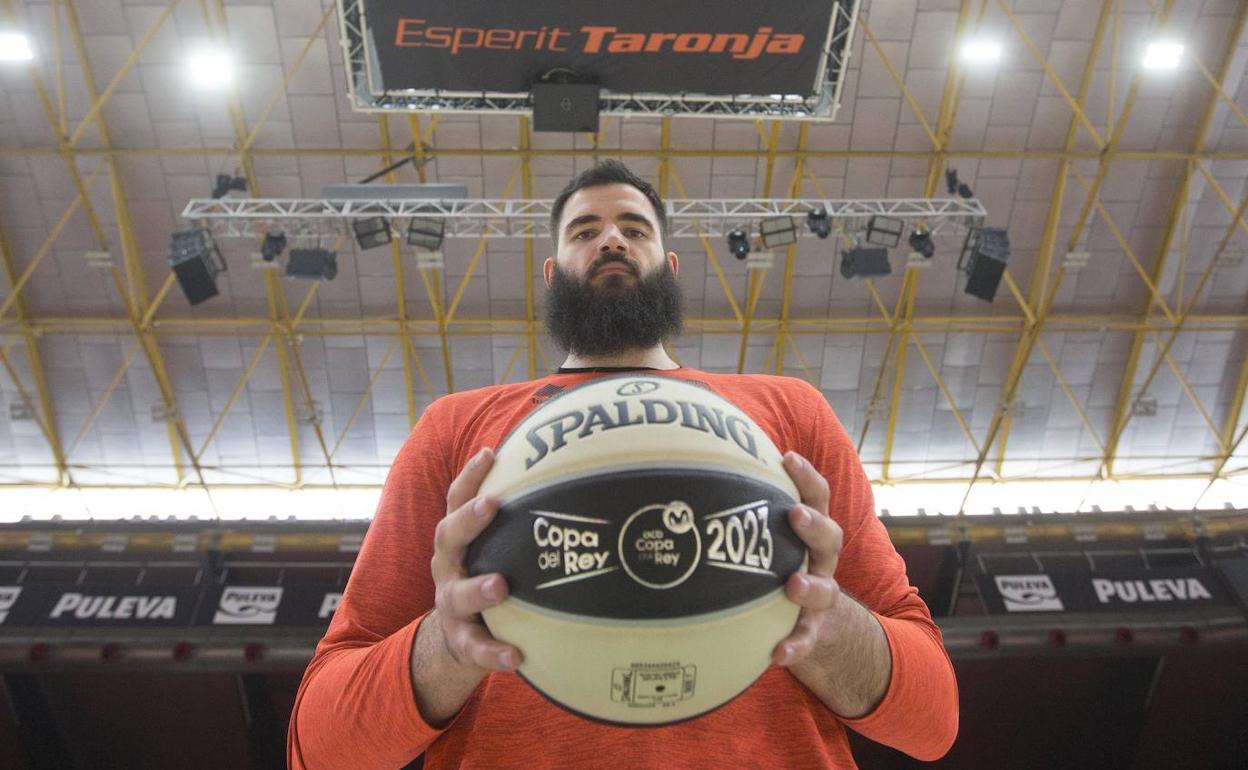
(408, 672)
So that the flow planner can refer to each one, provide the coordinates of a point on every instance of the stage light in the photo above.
(819, 222)
(884, 231)
(981, 51)
(312, 264)
(15, 47)
(371, 232)
(1162, 55)
(196, 261)
(739, 244)
(426, 234)
(984, 256)
(211, 68)
(226, 183)
(274, 244)
(921, 243)
(777, 231)
(957, 186)
(860, 262)
(951, 181)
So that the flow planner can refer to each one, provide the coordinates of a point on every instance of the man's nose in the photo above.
(613, 240)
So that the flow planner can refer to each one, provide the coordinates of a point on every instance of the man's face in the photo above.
(612, 287)
(609, 230)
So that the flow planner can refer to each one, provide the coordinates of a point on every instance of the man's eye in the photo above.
(637, 233)
(582, 235)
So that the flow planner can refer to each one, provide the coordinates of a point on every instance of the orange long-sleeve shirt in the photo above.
(356, 709)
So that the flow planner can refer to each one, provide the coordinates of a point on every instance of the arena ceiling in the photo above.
(1132, 366)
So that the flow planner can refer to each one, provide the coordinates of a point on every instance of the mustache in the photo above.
(612, 258)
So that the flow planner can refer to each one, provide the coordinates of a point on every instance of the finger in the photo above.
(463, 599)
(455, 532)
(475, 645)
(813, 592)
(798, 644)
(822, 536)
(812, 487)
(465, 485)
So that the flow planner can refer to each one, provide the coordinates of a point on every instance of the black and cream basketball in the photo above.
(644, 537)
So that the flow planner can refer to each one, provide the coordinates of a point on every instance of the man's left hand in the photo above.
(815, 590)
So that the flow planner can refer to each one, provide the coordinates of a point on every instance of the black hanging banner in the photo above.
(94, 604)
(1141, 590)
(647, 46)
(292, 605)
(1235, 571)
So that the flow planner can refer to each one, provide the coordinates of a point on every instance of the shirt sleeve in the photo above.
(355, 706)
(919, 712)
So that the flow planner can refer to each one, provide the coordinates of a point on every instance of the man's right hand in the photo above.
(453, 650)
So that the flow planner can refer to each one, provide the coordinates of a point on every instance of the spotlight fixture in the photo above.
(426, 234)
(921, 242)
(15, 47)
(196, 261)
(777, 231)
(226, 183)
(274, 244)
(951, 180)
(981, 51)
(211, 68)
(818, 222)
(1162, 55)
(739, 244)
(371, 232)
(984, 255)
(884, 231)
(957, 186)
(860, 262)
(312, 264)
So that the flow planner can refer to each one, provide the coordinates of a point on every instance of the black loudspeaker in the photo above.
(197, 262)
(198, 282)
(312, 264)
(565, 107)
(984, 276)
(984, 257)
(863, 262)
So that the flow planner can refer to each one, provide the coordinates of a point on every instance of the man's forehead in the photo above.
(608, 201)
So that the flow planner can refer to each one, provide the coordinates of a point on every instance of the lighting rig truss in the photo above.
(368, 95)
(530, 218)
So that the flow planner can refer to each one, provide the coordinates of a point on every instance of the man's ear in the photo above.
(674, 263)
(548, 269)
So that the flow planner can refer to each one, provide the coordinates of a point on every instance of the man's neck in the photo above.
(652, 358)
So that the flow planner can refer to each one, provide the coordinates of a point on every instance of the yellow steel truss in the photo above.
(902, 325)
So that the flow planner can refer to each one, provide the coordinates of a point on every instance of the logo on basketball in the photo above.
(659, 545)
(637, 387)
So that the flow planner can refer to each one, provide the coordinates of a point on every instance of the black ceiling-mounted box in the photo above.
(565, 106)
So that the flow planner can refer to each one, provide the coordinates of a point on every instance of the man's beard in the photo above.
(610, 315)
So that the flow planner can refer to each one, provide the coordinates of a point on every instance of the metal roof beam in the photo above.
(1023, 352)
(1122, 412)
(1036, 289)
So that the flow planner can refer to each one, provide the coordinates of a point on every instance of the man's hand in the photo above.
(460, 599)
(838, 648)
(453, 650)
(815, 590)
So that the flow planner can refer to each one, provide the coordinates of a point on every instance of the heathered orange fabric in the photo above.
(355, 707)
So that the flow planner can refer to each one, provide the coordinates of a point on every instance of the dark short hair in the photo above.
(607, 172)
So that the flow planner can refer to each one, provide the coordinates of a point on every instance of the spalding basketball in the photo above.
(645, 540)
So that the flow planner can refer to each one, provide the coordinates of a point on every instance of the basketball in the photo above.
(644, 536)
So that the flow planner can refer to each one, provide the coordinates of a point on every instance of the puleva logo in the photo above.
(248, 605)
(1028, 593)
